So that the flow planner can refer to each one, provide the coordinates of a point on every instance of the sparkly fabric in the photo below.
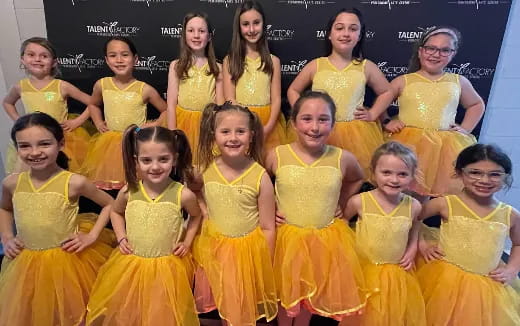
(308, 195)
(233, 206)
(346, 86)
(123, 107)
(254, 86)
(197, 90)
(471, 242)
(382, 237)
(44, 217)
(47, 100)
(429, 104)
(154, 226)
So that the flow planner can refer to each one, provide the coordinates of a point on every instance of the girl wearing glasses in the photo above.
(428, 101)
(465, 283)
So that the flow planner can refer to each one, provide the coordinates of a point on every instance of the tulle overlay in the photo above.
(240, 273)
(104, 162)
(49, 287)
(361, 138)
(133, 290)
(189, 122)
(436, 153)
(13, 163)
(278, 135)
(76, 147)
(456, 297)
(202, 292)
(319, 268)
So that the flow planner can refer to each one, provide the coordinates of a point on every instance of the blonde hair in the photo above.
(396, 149)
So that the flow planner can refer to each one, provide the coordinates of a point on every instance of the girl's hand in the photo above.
(503, 274)
(430, 252)
(101, 126)
(363, 114)
(456, 127)
(78, 242)
(407, 262)
(394, 126)
(124, 246)
(280, 219)
(71, 124)
(181, 249)
(339, 212)
(12, 247)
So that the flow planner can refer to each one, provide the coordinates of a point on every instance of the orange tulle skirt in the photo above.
(103, 164)
(189, 122)
(240, 274)
(456, 297)
(49, 287)
(436, 152)
(134, 291)
(319, 269)
(278, 135)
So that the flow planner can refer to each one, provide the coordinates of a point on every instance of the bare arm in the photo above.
(12, 246)
(395, 125)
(229, 85)
(219, 87)
(407, 261)
(172, 95)
(95, 112)
(190, 204)
(117, 217)
(385, 95)
(473, 104)
(152, 96)
(352, 178)
(301, 82)
(69, 90)
(10, 100)
(353, 207)
(507, 273)
(266, 210)
(276, 97)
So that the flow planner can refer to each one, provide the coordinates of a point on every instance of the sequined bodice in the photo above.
(471, 242)
(47, 100)
(154, 226)
(382, 237)
(308, 195)
(429, 104)
(123, 107)
(346, 87)
(196, 91)
(233, 206)
(44, 217)
(254, 86)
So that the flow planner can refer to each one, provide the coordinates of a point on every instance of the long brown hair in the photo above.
(208, 125)
(186, 56)
(237, 52)
(415, 64)
(176, 141)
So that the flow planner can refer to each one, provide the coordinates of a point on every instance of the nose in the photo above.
(251, 29)
(35, 151)
(315, 125)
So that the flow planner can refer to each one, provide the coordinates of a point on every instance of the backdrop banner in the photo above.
(296, 30)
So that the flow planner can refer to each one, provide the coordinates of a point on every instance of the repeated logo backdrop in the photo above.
(296, 30)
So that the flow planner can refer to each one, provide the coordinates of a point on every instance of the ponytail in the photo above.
(183, 171)
(129, 147)
(62, 160)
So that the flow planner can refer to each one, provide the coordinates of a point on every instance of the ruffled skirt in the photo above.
(132, 290)
(278, 135)
(436, 152)
(240, 273)
(189, 122)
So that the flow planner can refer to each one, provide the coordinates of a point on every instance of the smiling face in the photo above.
(37, 147)
(345, 32)
(233, 134)
(155, 162)
(37, 60)
(197, 34)
(483, 178)
(313, 123)
(436, 53)
(251, 26)
(120, 58)
(392, 175)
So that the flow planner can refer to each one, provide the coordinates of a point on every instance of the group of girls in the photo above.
(262, 251)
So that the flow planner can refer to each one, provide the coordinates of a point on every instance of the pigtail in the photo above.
(129, 156)
(62, 160)
(257, 141)
(183, 171)
(207, 135)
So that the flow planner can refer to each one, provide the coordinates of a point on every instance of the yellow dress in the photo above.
(315, 261)
(150, 286)
(381, 241)
(232, 248)
(195, 92)
(253, 89)
(122, 107)
(457, 290)
(347, 89)
(428, 108)
(45, 285)
(49, 100)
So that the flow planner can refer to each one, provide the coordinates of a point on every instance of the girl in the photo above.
(252, 75)
(344, 74)
(237, 239)
(428, 101)
(41, 91)
(195, 79)
(149, 281)
(316, 268)
(386, 238)
(468, 285)
(52, 264)
(124, 102)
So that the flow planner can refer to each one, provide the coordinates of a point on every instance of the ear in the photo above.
(61, 144)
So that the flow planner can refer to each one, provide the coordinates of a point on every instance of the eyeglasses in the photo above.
(444, 52)
(494, 176)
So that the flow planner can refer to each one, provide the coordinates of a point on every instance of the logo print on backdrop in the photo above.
(112, 29)
(278, 34)
(223, 2)
(152, 1)
(307, 3)
(74, 1)
(413, 36)
(478, 3)
(151, 64)
(470, 72)
(78, 62)
(391, 71)
(293, 67)
(390, 3)
(172, 31)
(321, 35)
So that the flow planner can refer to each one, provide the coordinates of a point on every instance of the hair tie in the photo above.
(137, 130)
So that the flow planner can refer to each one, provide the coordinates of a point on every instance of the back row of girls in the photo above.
(250, 76)
(311, 264)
